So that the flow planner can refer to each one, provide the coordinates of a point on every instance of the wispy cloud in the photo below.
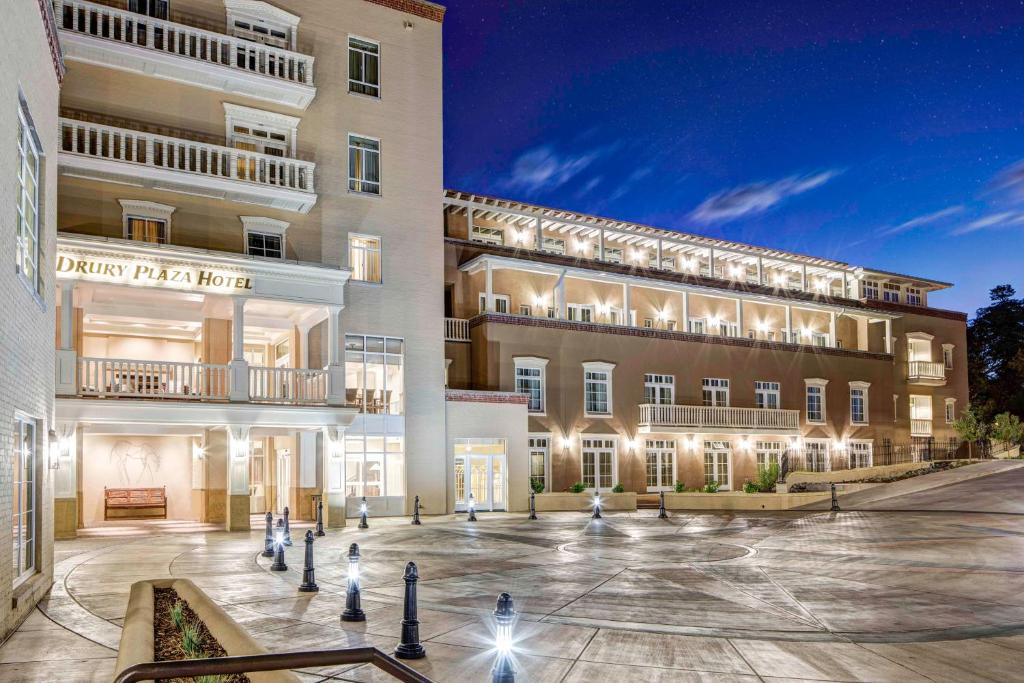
(919, 221)
(633, 178)
(1011, 181)
(589, 186)
(1002, 219)
(755, 198)
(543, 167)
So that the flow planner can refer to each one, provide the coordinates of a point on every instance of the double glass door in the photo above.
(716, 463)
(480, 470)
(661, 465)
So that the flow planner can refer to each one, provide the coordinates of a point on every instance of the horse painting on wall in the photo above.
(136, 463)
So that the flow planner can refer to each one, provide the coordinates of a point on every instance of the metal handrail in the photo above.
(186, 668)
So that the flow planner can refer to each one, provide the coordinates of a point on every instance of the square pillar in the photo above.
(560, 302)
(789, 325)
(489, 289)
(627, 304)
(237, 504)
(334, 477)
(538, 234)
(335, 366)
(832, 329)
(210, 488)
(65, 481)
(66, 357)
(238, 368)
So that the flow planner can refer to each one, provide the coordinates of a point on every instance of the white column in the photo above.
(803, 278)
(238, 367)
(333, 458)
(627, 303)
(888, 335)
(600, 245)
(238, 460)
(685, 325)
(659, 254)
(469, 223)
(789, 323)
(560, 303)
(760, 270)
(846, 285)
(335, 367)
(832, 329)
(66, 365)
(489, 289)
(538, 232)
(739, 318)
(711, 262)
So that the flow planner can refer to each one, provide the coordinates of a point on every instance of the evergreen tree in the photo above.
(995, 343)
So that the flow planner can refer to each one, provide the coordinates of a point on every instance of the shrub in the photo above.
(177, 614)
(578, 487)
(619, 488)
(711, 488)
(680, 487)
(751, 487)
(1008, 428)
(537, 486)
(767, 478)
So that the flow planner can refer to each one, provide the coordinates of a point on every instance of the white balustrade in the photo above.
(920, 427)
(189, 156)
(151, 379)
(130, 28)
(718, 417)
(287, 385)
(920, 369)
(456, 330)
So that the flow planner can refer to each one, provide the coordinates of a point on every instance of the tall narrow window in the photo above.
(364, 258)
(859, 403)
(23, 492)
(151, 8)
(363, 67)
(363, 165)
(869, 289)
(950, 411)
(27, 201)
(374, 382)
(597, 388)
(766, 395)
(538, 449)
(530, 381)
(598, 463)
(715, 392)
(815, 399)
(947, 356)
(890, 292)
(860, 454)
(659, 389)
(914, 297)
(817, 455)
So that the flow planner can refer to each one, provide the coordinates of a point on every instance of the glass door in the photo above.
(480, 470)
(284, 478)
(257, 491)
(661, 465)
(716, 463)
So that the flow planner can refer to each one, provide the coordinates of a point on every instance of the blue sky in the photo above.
(881, 135)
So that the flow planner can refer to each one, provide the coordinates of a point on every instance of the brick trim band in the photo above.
(427, 10)
(467, 396)
(50, 26)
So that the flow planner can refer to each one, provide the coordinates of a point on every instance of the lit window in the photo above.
(146, 221)
(487, 235)
(715, 392)
(598, 463)
(815, 400)
(768, 453)
(264, 244)
(374, 382)
(374, 465)
(24, 495)
(659, 389)
(817, 456)
(363, 165)
(950, 411)
(597, 388)
(530, 381)
(27, 201)
(364, 258)
(363, 67)
(766, 395)
(860, 454)
(859, 403)
(538, 448)
(947, 356)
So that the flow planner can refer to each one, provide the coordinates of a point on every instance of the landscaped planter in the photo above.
(137, 637)
(737, 500)
(584, 502)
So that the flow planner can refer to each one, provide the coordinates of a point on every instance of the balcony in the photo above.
(132, 157)
(920, 427)
(115, 38)
(717, 419)
(926, 373)
(125, 378)
(456, 330)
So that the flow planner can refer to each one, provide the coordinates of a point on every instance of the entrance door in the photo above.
(661, 465)
(284, 478)
(257, 490)
(480, 470)
(716, 463)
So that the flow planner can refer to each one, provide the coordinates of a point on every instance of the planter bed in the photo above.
(584, 502)
(737, 500)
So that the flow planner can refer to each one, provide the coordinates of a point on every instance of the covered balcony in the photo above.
(142, 159)
(109, 36)
(655, 418)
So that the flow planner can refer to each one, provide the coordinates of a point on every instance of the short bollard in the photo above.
(308, 576)
(416, 512)
(533, 505)
(835, 500)
(353, 604)
(268, 541)
(287, 528)
(662, 513)
(504, 617)
(320, 518)
(279, 565)
(597, 505)
(410, 647)
(472, 509)
(362, 515)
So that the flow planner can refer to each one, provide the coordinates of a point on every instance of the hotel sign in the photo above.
(148, 273)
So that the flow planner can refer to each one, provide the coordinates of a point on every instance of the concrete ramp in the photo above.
(995, 486)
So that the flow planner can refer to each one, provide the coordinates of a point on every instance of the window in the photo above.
(146, 230)
(696, 326)
(597, 388)
(481, 233)
(819, 339)
(766, 395)
(364, 258)
(524, 309)
(264, 244)
(716, 463)
(580, 313)
(27, 201)
(869, 289)
(859, 403)
(151, 8)
(816, 452)
(728, 329)
(23, 493)
(530, 381)
(659, 389)
(374, 465)
(598, 463)
(649, 323)
(914, 296)
(768, 453)
(146, 221)
(373, 374)
(538, 448)
(502, 303)
(553, 245)
(613, 255)
(715, 391)
(890, 292)
(363, 165)
(860, 454)
(950, 411)
(363, 67)
(816, 399)
(947, 356)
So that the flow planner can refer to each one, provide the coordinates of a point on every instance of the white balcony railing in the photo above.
(456, 330)
(718, 417)
(918, 370)
(187, 42)
(920, 427)
(152, 379)
(287, 385)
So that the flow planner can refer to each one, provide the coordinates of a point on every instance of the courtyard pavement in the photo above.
(851, 596)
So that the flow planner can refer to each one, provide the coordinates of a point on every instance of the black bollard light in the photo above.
(268, 541)
(287, 528)
(662, 514)
(353, 604)
(504, 617)
(320, 518)
(410, 647)
(279, 565)
(308, 576)
(472, 509)
(416, 512)
(835, 500)
(533, 505)
(597, 505)
(362, 515)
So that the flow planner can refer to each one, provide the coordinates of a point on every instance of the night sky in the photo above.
(884, 134)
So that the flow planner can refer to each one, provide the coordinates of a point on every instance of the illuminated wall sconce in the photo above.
(538, 300)
(805, 331)
(637, 255)
(566, 442)
(580, 245)
(198, 452)
(603, 309)
(735, 271)
(821, 285)
(762, 326)
(662, 316)
(714, 321)
(779, 280)
(517, 236)
(839, 445)
(745, 444)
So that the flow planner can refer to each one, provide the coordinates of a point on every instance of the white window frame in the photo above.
(869, 289)
(594, 444)
(717, 446)
(486, 234)
(504, 298)
(149, 211)
(915, 296)
(764, 389)
(260, 225)
(949, 410)
(947, 355)
(263, 120)
(856, 445)
(539, 443)
(825, 446)
(766, 452)
(367, 253)
(537, 364)
(654, 383)
(891, 292)
(365, 53)
(819, 384)
(713, 386)
(575, 313)
(693, 323)
(356, 185)
(553, 245)
(22, 422)
(614, 255)
(28, 234)
(863, 388)
(263, 14)
(598, 367)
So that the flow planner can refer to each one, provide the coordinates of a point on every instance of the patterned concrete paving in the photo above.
(858, 596)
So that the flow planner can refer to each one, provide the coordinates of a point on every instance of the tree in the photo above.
(970, 427)
(995, 341)
(1008, 428)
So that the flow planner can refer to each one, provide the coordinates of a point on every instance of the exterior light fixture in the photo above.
(580, 245)
(472, 509)
(505, 618)
(362, 515)
(353, 608)
(736, 271)
(597, 505)
(566, 443)
(714, 321)
(806, 331)
(779, 280)
(762, 326)
(661, 315)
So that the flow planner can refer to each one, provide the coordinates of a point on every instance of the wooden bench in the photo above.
(134, 499)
